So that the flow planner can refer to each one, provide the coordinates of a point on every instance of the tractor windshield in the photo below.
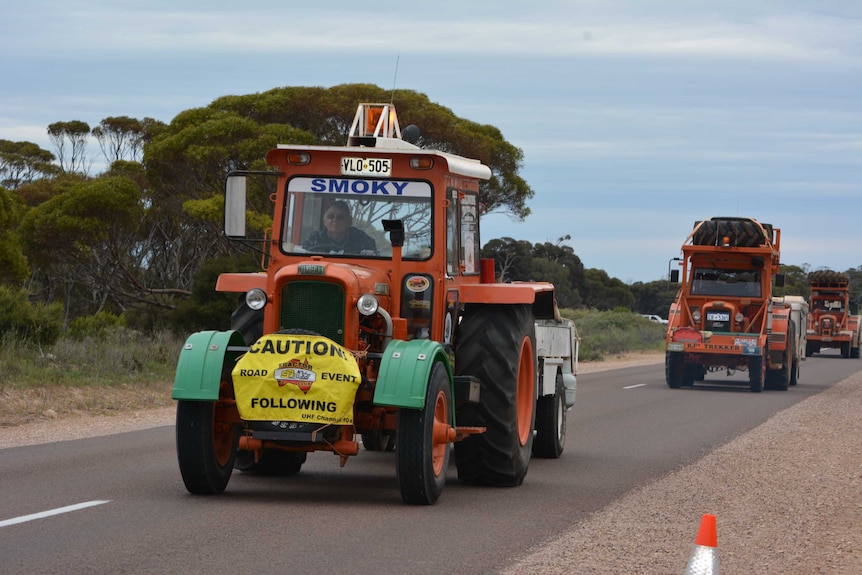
(344, 217)
(726, 282)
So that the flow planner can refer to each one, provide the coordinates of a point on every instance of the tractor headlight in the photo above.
(367, 304)
(695, 315)
(739, 317)
(255, 298)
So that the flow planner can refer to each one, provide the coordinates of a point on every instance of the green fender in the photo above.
(404, 370)
(201, 362)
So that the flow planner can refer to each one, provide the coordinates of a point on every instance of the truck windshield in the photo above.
(344, 217)
(726, 282)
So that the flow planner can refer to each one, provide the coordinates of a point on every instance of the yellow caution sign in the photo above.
(302, 378)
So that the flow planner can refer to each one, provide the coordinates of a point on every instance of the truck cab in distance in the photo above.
(724, 317)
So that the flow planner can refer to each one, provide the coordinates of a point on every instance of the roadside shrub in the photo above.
(34, 323)
(605, 333)
(98, 326)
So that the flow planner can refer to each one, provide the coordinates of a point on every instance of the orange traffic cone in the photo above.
(704, 556)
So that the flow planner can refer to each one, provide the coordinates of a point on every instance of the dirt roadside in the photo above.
(55, 425)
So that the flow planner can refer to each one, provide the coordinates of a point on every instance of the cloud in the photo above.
(556, 30)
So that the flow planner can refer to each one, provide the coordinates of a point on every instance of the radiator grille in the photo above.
(315, 306)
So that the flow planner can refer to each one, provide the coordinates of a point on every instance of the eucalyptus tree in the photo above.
(70, 139)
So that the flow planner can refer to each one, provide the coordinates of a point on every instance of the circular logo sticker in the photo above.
(417, 284)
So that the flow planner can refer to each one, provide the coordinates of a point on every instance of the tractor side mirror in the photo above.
(234, 207)
(779, 280)
(674, 276)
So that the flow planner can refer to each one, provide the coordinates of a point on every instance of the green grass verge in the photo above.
(609, 333)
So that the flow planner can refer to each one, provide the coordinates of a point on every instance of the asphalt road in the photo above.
(133, 514)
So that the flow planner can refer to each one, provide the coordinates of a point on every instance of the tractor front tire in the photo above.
(756, 374)
(496, 344)
(422, 450)
(673, 369)
(206, 447)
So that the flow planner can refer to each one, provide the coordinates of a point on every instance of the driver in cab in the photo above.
(338, 234)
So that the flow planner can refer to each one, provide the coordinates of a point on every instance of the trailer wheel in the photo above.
(789, 358)
(551, 422)
(422, 451)
(854, 352)
(794, 366)
(496, 344)
(756, 374)
(845, 350)
(673, 369)
(206, 447)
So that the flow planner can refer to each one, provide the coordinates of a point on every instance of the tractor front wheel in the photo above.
(673, 369)
(422, 449)
(206, 447)
(756, 374)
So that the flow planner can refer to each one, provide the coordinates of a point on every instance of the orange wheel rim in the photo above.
(222, 440)
(441, 419)
(525, 399)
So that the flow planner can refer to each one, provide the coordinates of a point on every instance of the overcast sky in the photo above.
(636, 117)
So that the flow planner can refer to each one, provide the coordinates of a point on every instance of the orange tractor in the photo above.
(724, 317)
(830, 320)
(373, 322)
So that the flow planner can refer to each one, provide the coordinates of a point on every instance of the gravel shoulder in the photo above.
(787, 494)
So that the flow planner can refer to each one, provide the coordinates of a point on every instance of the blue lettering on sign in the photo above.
(373, 187)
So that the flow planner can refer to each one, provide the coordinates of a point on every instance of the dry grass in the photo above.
(116, 373)
(19, 406)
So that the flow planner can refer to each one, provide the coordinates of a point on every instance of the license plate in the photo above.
(718, 316)
(351, 166)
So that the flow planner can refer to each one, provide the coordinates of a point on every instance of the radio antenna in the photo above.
(392, 97)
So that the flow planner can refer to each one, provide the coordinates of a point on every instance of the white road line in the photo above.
(635, 385)
(50, 512)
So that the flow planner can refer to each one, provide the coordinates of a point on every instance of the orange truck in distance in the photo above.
(831, 323)
(724, 317)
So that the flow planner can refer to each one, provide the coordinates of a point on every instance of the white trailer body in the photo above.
(557, 344)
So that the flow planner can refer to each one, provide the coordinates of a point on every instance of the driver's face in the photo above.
(336, 222)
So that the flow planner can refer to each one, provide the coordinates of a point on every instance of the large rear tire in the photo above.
(422, 451)
(206, 447)
(496, 344)
(551, 422)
